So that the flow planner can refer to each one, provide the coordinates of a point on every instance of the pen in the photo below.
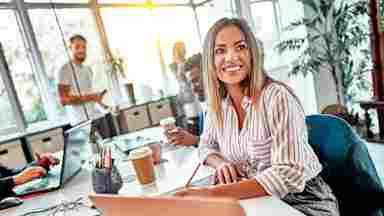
(193, 175)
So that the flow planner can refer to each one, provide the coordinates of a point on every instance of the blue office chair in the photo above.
(347, 166)
(200, 123)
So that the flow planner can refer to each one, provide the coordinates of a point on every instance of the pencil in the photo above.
(193, 175)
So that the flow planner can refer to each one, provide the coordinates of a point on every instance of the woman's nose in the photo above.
(231, 55)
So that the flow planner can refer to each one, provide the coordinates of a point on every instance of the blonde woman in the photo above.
(255, 134)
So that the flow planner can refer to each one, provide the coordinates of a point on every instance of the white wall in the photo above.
(302, 86)
(325, 88)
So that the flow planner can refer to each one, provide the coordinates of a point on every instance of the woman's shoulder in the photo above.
(276, 88)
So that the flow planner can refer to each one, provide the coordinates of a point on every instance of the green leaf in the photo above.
(308, 22)
(290, 44)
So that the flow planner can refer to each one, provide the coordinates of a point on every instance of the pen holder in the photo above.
(106, 181)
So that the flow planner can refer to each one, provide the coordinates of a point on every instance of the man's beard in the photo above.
(80, 59)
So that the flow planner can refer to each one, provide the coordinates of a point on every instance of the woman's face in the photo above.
(231, 56)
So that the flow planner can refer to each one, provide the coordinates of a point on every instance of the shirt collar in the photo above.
(79, 66)
(245, 103)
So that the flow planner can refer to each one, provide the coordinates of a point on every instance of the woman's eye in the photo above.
(242, 47)
(219, 51)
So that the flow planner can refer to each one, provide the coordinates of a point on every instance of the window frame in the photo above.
(21, 8)
(17, 111)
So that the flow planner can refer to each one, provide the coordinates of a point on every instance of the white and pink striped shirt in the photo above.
(272, 145)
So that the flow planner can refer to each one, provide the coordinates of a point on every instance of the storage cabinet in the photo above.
(51, 141)
(12, 155)
(160, 110)
(136, 118)
(145, 115)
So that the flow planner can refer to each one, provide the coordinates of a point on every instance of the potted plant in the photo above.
(118, 69)
(335, 37)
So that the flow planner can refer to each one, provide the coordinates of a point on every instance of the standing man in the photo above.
(75, 85)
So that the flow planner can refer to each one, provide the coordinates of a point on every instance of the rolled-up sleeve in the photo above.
(288, 172)
(63, 76)
(208, 140)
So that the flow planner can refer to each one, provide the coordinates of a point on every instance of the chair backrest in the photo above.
(200, 123)
(347, 165)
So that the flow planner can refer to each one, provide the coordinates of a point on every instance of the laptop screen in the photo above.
(75, 148)
(76, 145)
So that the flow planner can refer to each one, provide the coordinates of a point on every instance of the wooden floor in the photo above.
(377, 153)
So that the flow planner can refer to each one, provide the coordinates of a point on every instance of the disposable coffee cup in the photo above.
(142, 161)
(169, 126)
(168, 123)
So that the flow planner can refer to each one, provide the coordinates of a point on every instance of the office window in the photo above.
(148, 50)
(7, 116)
(212, 11)
(20, 67)
(170, 30)
(136, 43)
(53, 49)
(265, 19)
(266, 27)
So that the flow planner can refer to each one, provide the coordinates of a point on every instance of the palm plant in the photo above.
(334, 34)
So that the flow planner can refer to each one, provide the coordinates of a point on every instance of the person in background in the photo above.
(75, 88)
(187, 105)
(9, 178)
(255, 135)
(180, 136)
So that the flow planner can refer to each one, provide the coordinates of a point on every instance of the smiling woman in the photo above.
(255, 135)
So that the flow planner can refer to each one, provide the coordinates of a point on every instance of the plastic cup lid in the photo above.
(140, 153)
(167, 121)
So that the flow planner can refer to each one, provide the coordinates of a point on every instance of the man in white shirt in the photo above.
(75, 85)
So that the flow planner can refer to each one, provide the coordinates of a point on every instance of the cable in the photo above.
(68, 55)
(62, 208)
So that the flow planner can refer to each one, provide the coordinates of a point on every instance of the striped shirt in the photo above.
(272, 145)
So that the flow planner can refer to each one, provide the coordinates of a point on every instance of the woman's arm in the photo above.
(208, 145)
(293, 161)
(245, 189)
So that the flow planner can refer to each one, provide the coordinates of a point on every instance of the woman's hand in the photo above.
(227, 173)
(29, 174)
(195, 191)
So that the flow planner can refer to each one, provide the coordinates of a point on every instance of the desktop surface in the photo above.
(171, 176)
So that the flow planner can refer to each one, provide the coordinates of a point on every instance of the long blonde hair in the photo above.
(215, 89)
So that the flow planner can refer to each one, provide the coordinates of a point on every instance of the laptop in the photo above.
(76, 140)
(112, 205)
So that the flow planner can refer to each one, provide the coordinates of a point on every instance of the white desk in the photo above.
(171, 176)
